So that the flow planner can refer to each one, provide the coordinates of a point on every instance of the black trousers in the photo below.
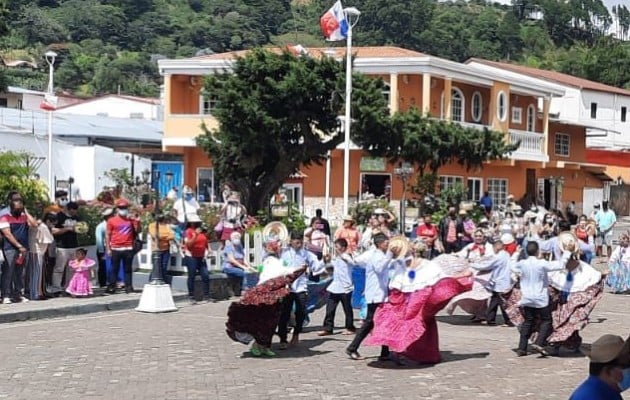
(126, 256)
(531, 314)
(299, 299)
(367, 327)
(451, 247)
(496, 301)
(102, 269)
(331, 308)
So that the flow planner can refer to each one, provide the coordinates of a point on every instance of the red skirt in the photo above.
(407, 322)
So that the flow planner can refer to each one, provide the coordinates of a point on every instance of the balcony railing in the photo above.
(531, 146)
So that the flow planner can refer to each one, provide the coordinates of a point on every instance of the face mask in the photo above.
(63, 203)
(236, 242)
(625, 381)
(123, 213)
(188, 196)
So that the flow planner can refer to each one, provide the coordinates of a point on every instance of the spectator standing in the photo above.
(606, 221)
(486, 203)
(67, 242)
(120, 233)
(14, 227)
(322, 220)
(99, 233)
(162, 244)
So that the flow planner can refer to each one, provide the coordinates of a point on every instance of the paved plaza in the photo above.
(186, 355)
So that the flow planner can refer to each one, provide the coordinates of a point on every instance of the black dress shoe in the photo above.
(354, 355)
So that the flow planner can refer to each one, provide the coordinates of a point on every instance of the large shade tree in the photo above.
(278, 112)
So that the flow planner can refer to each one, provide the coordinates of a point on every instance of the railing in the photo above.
(252, 245)
(531, 145)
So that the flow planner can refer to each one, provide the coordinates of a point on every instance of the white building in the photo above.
(116, 106)
(26, 99)
(603, 109)
(84, 147)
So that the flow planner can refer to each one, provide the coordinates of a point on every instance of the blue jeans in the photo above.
(194, 264)
(249, 279)
(164, 259)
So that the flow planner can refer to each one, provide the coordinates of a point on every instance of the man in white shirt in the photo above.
(500, 281)
(340, 290)
(377, 264)
(187, 206)
(294, 257)
(534, 284)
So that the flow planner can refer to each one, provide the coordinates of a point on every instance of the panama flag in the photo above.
(334, 24)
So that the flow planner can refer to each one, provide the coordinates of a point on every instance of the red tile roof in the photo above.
(553, 76)
(360, 52)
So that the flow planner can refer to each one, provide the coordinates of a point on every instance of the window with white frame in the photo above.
(387, 93)
(562, 144)
(448, 181)
(497, 189)
(531, 118)
(476, 108)
(457, 105)
(207, 104)
(294, 193)
(502, 106)
(517, 115)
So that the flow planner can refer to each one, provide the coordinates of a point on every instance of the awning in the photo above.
(604, 131)
(602, 176)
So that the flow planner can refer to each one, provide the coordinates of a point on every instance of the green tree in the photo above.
(278, 112)
(16, 174)
(430, 144)
(37, 25)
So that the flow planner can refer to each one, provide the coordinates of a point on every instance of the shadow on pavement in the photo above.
(447, 356)
(304, 349)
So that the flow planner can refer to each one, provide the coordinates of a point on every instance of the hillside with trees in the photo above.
(107, 46)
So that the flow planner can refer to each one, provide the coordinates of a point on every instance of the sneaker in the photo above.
(6, 300)
(353, 355)
(24, 300)
(268, 352)
(255, 350)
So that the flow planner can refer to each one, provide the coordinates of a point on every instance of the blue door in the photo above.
(174, 169)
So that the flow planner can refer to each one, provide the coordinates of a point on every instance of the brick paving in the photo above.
(186, 355)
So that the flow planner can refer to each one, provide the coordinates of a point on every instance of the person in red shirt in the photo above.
(120, 233)
(427, 232)
(195, 247)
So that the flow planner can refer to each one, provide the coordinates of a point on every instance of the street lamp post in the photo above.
(156, 296)
(348, 11)
(50, 59)
(404, 173)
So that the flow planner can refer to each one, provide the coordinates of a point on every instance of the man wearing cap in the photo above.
(186, 206)
(120, 233)
(99, 234)
(608, 370)
(66, 241)
(349, 232)
(377, 265)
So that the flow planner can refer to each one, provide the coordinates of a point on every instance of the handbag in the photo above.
(173, 247)
(138, 245)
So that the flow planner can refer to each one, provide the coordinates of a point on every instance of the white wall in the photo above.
(113, 107)
(86, 164)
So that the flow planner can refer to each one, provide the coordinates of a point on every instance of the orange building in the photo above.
(550, 163)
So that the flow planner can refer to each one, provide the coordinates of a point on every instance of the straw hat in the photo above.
(567, 241)
(607, 348)
(193, 218)
(275, 231)
(401, 243)
(348, 218)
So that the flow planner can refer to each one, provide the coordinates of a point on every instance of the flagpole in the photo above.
(347, 120)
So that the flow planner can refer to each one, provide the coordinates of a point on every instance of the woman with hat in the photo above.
(349, 232)
(232, 215)
(618, 278)
(418, 290)
(573, 294)
(256, 315)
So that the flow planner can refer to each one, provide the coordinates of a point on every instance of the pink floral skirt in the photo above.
(407, 322)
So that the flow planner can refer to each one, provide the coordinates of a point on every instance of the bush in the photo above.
(364, 210)
(92, 214)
